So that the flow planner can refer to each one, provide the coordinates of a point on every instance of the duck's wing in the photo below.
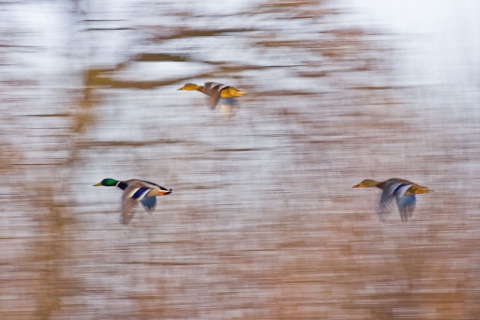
(128, 209)
(391, 191)
(386, 199)
(213, 89)
(149, 204)
(406, 206)
(405, 202)
(130, 198)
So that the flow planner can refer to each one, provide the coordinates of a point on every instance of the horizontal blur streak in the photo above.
(263, 223)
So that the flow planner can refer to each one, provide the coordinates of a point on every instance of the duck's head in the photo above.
(108, 182)
(190, 87)
(367, 183)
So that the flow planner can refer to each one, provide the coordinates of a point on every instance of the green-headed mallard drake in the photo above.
(135, 191)
(403, 191)
(216, 91)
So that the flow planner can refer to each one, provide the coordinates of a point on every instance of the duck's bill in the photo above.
(164, 192)
(357, 186)
(98, 184)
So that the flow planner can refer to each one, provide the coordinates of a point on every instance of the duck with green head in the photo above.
(216, 91)
(403, 191)
(135, 191)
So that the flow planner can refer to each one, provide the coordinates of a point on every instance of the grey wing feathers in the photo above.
(213, 89)
(406, 206)
(135, 192)
(405, 203)
(149, 204)
(140, 191)
(386, 199)
(128, 209)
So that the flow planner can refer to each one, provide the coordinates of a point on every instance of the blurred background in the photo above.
(263, 223)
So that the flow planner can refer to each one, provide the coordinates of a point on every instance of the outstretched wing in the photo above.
(128, 209)
(406, 206)
(149, 204)
(130, 198)
(213, 90)
(405, 203)
(386, 199)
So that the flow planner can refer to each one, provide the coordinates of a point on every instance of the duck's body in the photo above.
(216, 91)
(403, 191)
(135, 191)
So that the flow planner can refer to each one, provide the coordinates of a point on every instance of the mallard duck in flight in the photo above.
(216, 91)
(135, 191)
(403, 191)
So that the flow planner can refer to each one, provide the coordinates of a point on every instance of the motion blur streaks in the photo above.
(263, 223)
